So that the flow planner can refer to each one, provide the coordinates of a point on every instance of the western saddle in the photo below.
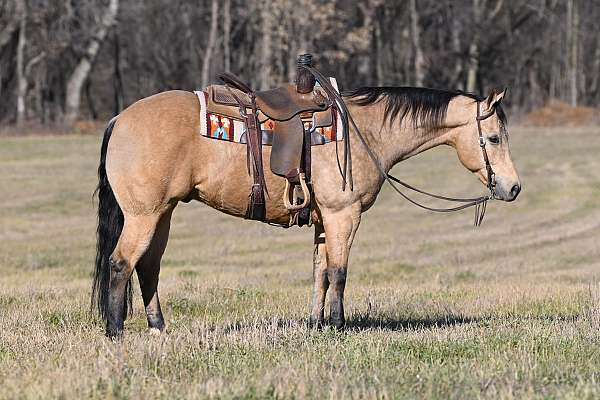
(295, 111)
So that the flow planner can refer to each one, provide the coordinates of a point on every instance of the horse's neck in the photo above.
(398, 141)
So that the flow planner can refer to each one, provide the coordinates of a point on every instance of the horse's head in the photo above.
(485, 136)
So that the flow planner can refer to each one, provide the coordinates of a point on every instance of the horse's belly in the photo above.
(223, 182)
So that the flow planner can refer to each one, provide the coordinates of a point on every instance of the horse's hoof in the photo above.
(339, 325)
(154, 332)
(315, 324)
(114, 334)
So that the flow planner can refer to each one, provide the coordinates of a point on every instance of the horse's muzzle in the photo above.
(507, 192)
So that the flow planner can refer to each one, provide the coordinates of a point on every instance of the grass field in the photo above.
(436, 308)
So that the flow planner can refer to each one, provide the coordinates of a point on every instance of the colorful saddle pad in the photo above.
(217, 125)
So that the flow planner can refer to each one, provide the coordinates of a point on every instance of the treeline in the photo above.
(64, 60)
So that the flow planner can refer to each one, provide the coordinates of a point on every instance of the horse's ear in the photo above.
(494, 98)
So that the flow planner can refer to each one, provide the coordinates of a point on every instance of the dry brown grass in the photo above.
(437, 308)
(558, 113)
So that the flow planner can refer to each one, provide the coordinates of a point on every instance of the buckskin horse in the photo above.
(152, 157)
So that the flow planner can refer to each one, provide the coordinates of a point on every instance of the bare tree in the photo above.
(212, 40)
(572, 49)
(21, 78)
(266, 21)
(11, 25)
(456, 47)
(481, 18)
(84, 66)
(227, 34)
(415, 34)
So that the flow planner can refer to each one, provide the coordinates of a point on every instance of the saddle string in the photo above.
(479, 203)
(229, 79)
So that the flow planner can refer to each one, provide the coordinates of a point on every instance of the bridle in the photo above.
(480, 203)
(491, 176)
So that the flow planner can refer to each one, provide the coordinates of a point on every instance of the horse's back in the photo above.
(171, 109)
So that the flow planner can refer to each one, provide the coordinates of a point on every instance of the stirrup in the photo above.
(289, 191)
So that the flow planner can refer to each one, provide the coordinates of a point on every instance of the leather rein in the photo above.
(480, 203)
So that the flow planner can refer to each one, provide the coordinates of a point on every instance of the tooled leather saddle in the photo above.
(294, 112)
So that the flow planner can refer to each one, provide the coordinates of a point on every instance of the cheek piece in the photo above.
(491, 176)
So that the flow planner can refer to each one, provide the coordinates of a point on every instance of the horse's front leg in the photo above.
(320, 279)
(340, 228)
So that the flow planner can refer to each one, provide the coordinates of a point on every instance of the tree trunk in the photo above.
(405, 49)
(117, 79)
(573, 36)
(188, 20)
(292, 52)
(534, 87)
(6, 34)
(379, 54)
(21, 77)
(82, 70)
(90, 99)
(473, 69)
(227, 34)
(267, 50)
(212, 39)
(419, 61)
(595, 72)
(553, 82)
(456, 79)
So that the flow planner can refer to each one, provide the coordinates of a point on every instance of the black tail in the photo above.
(110, 225)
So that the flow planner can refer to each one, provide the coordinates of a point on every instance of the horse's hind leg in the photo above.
(135, 239)
(148, 269)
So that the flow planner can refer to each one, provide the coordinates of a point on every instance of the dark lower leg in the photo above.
(148, 270)
(119, 275)
(337, 279)
(154, 314)
(135, 238)
(148, 278)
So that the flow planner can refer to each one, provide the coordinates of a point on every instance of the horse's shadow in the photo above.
(359, 323)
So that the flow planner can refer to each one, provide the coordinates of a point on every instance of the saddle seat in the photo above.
(284, 103)
(279, 104)
(287, 109)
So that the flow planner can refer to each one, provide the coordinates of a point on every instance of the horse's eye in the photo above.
(494, 139)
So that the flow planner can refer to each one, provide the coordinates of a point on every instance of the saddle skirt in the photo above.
(220, 117)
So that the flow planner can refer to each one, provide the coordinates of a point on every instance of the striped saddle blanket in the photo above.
(220, 119)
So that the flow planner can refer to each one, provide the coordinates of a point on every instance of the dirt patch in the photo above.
(559, 113)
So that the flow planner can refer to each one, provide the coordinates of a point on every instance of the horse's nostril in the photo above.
(515, 190)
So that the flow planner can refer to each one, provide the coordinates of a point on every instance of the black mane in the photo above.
(426, 107)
